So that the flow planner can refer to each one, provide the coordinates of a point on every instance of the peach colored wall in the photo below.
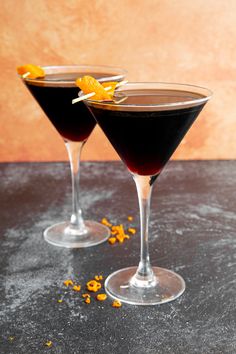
(156, 40)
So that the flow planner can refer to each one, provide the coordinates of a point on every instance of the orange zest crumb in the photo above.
(132, 230)
(76, 288)
(93, 285)
(130, 218)
(30, 71)
(98, 277)
(68, 282)
(48, 343)
(106, 222)
(85, 295)
(119, 232)
(101, 297)
(116, 303)
(59, 300)
(87, 300)
(112, 240)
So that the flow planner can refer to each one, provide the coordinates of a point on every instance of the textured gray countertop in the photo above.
(192, 231)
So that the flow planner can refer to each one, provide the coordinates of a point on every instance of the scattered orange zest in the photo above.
(119, 232)
(98, 277)
(112, 240)
(87, 300)
(89, 84)
(106, 222)
(121, 237)
(68, 282)
(116, 303)
(93, 285)
(85, 295)
(76, 288)
(101, 297)
(33, 70)
(132, 230)
(48, 343)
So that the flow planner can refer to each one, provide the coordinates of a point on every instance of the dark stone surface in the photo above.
(192, 231)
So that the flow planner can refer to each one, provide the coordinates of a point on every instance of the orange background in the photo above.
(155, 40)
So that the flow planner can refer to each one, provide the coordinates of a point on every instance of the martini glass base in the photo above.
(169, 287)
(93, 234)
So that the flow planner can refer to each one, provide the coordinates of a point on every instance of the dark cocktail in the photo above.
(145, 129)
(54, 93)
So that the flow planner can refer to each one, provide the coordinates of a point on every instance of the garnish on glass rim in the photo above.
(99, 91)
(30, 71)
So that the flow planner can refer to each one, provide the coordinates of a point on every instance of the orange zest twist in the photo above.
(32, 71)
(111, 84)
(89, 84)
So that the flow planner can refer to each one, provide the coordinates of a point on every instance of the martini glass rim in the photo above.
(117, 73)
(205, 93)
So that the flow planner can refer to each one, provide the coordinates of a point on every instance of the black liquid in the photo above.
(73, 121)
(145, 140)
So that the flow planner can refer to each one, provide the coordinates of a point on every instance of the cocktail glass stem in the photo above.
(74, 151)
(144, 276)
(76, 233)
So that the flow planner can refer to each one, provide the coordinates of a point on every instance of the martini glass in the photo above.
(145, 129)
(74, 123)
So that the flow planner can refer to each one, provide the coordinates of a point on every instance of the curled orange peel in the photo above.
(31, 71)
(89, 84)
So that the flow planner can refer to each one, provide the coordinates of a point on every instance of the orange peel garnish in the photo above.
(112, 85)
(32, 71)
(89, 84)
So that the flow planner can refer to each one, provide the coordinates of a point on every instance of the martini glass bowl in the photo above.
(145, 127)
(54, 93)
